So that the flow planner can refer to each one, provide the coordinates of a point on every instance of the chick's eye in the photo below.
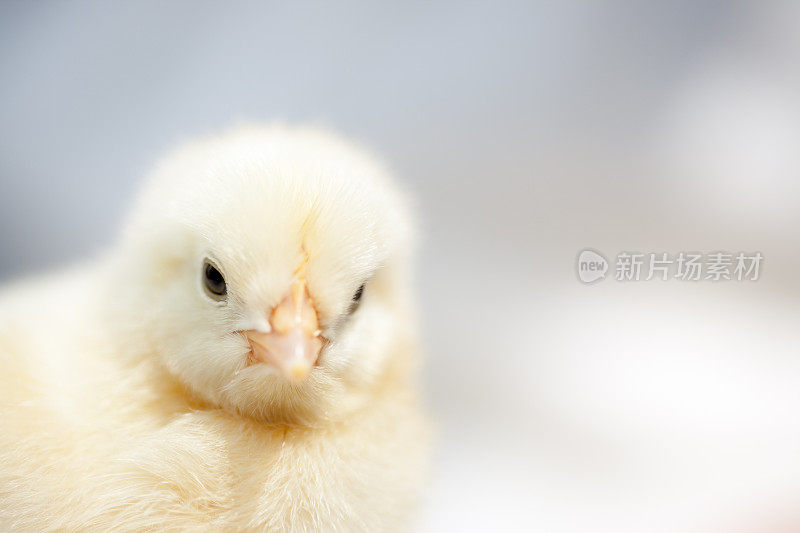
(357, 298)
(214, 282)
(359, 293)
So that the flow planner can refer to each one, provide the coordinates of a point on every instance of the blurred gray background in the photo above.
(526, 132)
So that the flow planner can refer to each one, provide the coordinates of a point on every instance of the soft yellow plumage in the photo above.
(131, 400)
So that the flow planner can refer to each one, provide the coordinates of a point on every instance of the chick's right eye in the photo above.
(214, 282)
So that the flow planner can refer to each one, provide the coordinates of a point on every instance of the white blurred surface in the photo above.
(526, 134)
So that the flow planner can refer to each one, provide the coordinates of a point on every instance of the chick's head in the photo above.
(266, 270)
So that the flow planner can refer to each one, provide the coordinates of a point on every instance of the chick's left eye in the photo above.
(356, 299)
(359, 293)
(214, 282)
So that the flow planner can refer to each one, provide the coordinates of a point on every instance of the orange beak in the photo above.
(294, 342)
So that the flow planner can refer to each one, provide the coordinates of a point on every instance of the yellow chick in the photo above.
(242, 359)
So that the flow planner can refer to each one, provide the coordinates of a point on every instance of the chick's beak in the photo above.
(294, 343)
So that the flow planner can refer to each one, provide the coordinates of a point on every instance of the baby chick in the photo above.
(242, 359)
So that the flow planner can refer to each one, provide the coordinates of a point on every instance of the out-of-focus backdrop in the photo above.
(526, 133)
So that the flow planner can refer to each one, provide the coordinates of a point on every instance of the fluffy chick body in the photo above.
(127, 402)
